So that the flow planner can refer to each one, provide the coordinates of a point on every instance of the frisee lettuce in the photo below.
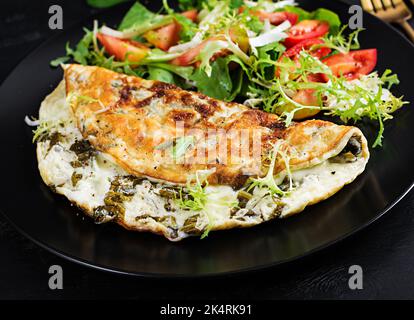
(193, 197)
(268, 182)
(342, 43)
(43, 130)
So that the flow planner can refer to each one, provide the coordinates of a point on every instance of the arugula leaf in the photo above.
(104, 3)
(82, 53)
(137, 14)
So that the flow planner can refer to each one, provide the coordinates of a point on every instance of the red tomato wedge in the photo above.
(122, 49)
(306, 29)
(164, 37)
(306, 97)
(276, 18)
(353, 64)
(189, 57)
(307, 44)
(319, 52)
(191, 14)
(237, 34)
(169, 35)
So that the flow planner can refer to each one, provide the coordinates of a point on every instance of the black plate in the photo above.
(50, 220)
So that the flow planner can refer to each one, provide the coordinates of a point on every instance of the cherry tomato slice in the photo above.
(276, 18)
(307, 44)
(191, 14)
(121, 49)
(237, 34)
(293, 53)
(189, 57)
(353, 64)
(164, 37)
(306, 97)
(306, 29)
(169, 35)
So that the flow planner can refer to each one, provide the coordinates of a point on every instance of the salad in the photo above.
(269, 55)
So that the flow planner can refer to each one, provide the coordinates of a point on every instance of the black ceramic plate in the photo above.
(50, 220)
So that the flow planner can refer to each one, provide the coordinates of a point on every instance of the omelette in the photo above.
(153, 157)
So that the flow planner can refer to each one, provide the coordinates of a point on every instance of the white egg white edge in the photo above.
(146, 210)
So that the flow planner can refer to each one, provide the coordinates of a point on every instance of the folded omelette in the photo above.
(153, 157)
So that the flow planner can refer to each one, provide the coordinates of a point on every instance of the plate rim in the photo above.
(178, 276)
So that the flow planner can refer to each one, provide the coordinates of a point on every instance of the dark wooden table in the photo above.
(385, 250)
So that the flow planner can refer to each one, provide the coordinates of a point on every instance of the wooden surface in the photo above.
(385, 250)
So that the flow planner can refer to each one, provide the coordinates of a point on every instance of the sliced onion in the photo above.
(252, 102)
(30, 122)
(115, 33)
(266, 26)
(274, 35)
(197, 39)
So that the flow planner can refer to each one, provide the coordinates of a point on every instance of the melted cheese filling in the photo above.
(144, 208)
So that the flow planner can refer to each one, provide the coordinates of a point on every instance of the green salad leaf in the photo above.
(235, 4)
(303, 14)
(156, 73)
(81, 53)
(104, 3)
(56, 62)
(183, 72)
(188, 27)
(138, 14)
(185, 5)
(220, 84)
(329, 16)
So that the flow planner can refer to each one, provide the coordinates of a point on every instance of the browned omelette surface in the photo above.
(133, 120)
